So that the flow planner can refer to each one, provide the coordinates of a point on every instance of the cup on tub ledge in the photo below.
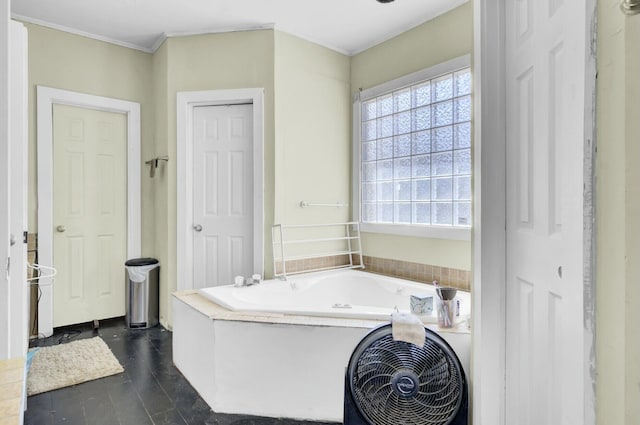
(446, 313)
(447, 306)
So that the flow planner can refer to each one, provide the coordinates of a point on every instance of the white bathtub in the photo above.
(270, 363)
(351, 294)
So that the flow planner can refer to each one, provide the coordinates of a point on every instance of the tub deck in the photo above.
(271, 364)
(213, 311)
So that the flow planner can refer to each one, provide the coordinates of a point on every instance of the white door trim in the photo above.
(5, 179)
(186, 101)
(489, 229)
(46, 98)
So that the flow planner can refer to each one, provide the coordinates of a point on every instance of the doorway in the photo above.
(222, 165)
(243, 111)
(89, 213)
(46, 99)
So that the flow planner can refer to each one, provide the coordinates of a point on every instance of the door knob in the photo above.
(197, 228)
(60, 228)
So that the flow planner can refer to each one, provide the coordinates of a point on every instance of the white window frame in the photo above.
(416, 230)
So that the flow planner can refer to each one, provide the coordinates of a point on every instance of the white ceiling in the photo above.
(347, 26)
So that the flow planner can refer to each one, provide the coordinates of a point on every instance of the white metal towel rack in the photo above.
(311, 241)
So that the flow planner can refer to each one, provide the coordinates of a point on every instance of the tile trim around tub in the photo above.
(425, 273)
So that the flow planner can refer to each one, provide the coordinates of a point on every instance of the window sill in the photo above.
(417, 231)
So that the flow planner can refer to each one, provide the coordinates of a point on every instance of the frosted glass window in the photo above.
(462, 188)
(385, 148)
(421, 142)
(403, 190)
(369, 213)
(385, 105)
(402, 145)
(462, 214)
(402, 168)
(385, 126)
(442, 139)
(402, 100)
(415, 147)
(422, 213)
(462, 135)
(369, 171)
(442, 164)
(421, 118)
(462, 161)
(422, 190)
(442, 88)
(421, 94)
(442, 213)
(369, 191)
(385, 212)
(369, 130)
(369, 110)
(442, 113)
(385, 191)
(385, 170)
(421, 166)
(402, 123)
(442, 189)
(462, 82)
(369, 151)
(462, 106)
(403, 212)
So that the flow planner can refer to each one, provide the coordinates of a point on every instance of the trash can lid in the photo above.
(141, 262)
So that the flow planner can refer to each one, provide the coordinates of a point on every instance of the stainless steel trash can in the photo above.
(142, 292)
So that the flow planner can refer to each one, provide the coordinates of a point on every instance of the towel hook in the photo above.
(153, 164)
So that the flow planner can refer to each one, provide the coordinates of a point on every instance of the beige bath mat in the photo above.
(68, 364)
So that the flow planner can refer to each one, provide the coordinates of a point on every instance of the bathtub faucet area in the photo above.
(240, 281)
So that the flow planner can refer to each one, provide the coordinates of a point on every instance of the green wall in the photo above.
(206, 62)
(65, 61)
(618, 217)
(446, 37)
(313, 131)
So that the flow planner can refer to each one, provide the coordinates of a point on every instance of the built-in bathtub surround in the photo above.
(456, 278)
(287, 365)
(350, 294)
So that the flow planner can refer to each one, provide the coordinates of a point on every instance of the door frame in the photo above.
(185, 102)
(488, 292)
(489, 228)
(46, 98)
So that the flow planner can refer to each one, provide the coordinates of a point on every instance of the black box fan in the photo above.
(397, 383)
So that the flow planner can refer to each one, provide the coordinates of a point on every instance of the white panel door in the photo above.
(222, 194)
(545, 79)
(89, 214)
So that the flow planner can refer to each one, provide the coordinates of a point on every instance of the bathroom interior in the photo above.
(205, 364)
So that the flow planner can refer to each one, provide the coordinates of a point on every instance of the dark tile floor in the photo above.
(151, 391)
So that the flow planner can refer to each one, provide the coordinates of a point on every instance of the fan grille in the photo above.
(397, 383)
